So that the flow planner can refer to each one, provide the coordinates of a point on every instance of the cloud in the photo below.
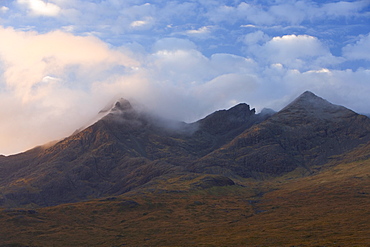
(45, 84)
(226, 90)
(343, 8)
(4, 9)
(138, 23)
(34, 55)
(173, 44)
(359, 50)
(333, 85)
(292, 12)
(293, 51)
(255, 38)
(200, 31)
(41, 8)
(244, 11)
(145, 23)
(179, 82)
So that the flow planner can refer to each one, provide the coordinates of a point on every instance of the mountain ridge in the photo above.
(127, 149)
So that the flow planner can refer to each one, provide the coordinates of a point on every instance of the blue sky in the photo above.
(61, 61)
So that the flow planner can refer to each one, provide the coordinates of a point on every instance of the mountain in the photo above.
(234, 178)
(122, 151)
(130, 150)
(306, 133)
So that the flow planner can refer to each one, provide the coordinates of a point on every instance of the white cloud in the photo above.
(180, 67)
(138, 23)
(249, 26)
(45, 84)
(202, 30)
(33, 55)
(295, 51)
(226, 90)
(184, 84)
(4, 9)
(145, 23)
(359, 50)
(39, 7)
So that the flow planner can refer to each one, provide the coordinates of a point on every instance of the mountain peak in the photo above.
(238, 113)
(310, 99)
(309, 104)
(122, 105)
(222, 121)
(308, 94)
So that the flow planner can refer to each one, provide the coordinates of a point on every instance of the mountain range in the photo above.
(136, 154)
(127, 148)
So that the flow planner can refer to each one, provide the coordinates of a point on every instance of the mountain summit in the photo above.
(310, 105)
(130, 150)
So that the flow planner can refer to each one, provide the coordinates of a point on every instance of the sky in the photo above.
(62, 61)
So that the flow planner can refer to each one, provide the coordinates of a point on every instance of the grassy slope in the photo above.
(327, 209)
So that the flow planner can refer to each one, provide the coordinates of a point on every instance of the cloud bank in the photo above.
(46, 82)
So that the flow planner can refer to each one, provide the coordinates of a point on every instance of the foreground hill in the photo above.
(327, 209)
(128, 150)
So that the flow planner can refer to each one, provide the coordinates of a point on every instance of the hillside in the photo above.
(327, 209)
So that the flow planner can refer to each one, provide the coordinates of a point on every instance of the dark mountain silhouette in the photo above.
(128, 150)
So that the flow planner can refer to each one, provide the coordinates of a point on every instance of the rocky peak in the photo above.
(309, 99)
(310, 105)
(241, 112)
(122, 105)
(222, 121)
(122, 112)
